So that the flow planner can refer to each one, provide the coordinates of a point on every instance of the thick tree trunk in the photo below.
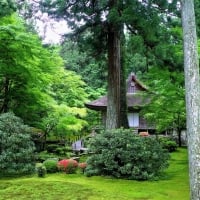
(179, 137)
(123, 91)
(116, 107)
(113, 107)
(192, 85)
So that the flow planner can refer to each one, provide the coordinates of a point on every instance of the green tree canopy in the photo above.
(167, 107)
(80, 59)
(33, 79)
(7, 7)
(67, 87)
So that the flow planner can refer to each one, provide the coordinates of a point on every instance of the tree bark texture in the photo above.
(123, 89)
(192, 85)
(113, 107)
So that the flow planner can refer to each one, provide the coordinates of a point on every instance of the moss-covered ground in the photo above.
(174, 185)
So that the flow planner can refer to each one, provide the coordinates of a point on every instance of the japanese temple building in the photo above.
(135, 102)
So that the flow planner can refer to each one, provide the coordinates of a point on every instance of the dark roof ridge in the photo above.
(133, 77)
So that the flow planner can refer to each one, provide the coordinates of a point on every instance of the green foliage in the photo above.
(61, 151)
(7, 7)
(197, 15)
(51, 148)
(168, 143)
(64, 151)
(34, 83)
(92, 22)
(16, 147)
(91, 70)
(40, 170)
(68, 87)
(174, 185)
(51, 165)
(26, 69)
(67, 114)
(55, 152)
(167, 107)
(122, 154)
(80, 60)
(44, 155)
(69, 121)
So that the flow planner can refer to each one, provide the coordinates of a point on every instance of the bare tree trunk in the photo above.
(192, 85)
(113, 107)
(123, 90)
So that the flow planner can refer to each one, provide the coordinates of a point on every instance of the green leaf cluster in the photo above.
(51, 165)
(25, 70)
(34, 83)
(167, 107)
(69, 120)
(7, 7)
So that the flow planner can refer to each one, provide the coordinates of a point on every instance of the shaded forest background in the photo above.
(47, 85)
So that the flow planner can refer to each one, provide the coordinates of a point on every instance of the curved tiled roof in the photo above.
(133, 101)
(135, 97)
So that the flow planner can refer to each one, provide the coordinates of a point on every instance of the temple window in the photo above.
(133, 119)
(132, 87)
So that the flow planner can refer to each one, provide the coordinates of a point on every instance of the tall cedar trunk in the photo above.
(123, 100)
(192, 85)
(113, 107)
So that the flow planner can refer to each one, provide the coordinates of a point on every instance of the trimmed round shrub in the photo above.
(40, 170)
(51, 165)
(168, 144)
(122, 154)
(68, 166)
(16, 147)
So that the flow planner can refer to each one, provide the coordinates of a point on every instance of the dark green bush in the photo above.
(51, 165)
(16, 148)
(60, 150)
(51, 148)
(41, 170)
(44, 155)
(64, 151)
(122, 154)
(168, 143)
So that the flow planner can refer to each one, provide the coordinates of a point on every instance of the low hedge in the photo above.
(168, 143)
(51, 165)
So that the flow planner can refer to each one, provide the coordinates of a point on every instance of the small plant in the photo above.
(69, 166)
(51, 165)
(168, 144)
(41, 170)
(82, 166)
